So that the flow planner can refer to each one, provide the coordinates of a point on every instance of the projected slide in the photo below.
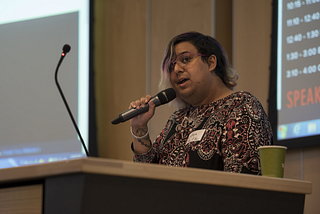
(34, 124)
(298, 70)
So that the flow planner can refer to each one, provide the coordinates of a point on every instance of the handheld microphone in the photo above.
(161, 98)
(66, 48)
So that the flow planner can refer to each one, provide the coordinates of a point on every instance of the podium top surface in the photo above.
(153, 171)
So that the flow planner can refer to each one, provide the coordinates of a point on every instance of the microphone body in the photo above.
(161, 98)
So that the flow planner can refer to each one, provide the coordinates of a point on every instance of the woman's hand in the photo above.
(142, 119)
(139, 125)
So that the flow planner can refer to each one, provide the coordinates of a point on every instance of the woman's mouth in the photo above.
(182, 81)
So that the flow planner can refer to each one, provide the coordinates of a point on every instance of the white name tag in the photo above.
(196, 136)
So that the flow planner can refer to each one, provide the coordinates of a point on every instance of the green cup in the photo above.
(272, 160)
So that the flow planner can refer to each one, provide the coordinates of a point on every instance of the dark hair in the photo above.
(205, 45)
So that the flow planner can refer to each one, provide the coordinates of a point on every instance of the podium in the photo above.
(96, 185)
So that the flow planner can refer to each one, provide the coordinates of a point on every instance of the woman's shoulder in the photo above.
(234, 100)
(243, 100)
(244, 96)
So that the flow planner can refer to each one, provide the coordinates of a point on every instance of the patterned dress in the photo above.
(233, 128)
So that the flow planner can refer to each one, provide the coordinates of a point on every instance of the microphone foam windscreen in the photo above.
(66, 48)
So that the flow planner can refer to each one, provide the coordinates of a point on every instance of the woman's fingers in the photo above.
(140, 103)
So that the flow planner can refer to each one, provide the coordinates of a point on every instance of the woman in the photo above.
(215, 127)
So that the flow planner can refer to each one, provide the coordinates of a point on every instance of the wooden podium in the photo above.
(95, 185)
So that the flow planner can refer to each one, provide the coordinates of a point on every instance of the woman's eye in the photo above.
(185, 59)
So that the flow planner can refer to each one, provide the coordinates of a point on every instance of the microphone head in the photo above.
(66, 48)
(166, 95)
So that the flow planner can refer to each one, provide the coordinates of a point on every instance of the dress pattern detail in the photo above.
(235, 126)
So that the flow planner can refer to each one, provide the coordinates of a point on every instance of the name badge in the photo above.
(196, 136)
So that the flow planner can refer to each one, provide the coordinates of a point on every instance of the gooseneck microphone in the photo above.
(161, 98)
(66, 48)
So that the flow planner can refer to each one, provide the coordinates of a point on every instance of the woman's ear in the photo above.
(212, 62)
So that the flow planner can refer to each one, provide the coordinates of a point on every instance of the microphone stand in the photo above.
(66, 49)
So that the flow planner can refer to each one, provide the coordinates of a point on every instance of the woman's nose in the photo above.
(177, 68)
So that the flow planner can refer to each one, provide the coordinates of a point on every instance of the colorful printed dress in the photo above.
(229, 132)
